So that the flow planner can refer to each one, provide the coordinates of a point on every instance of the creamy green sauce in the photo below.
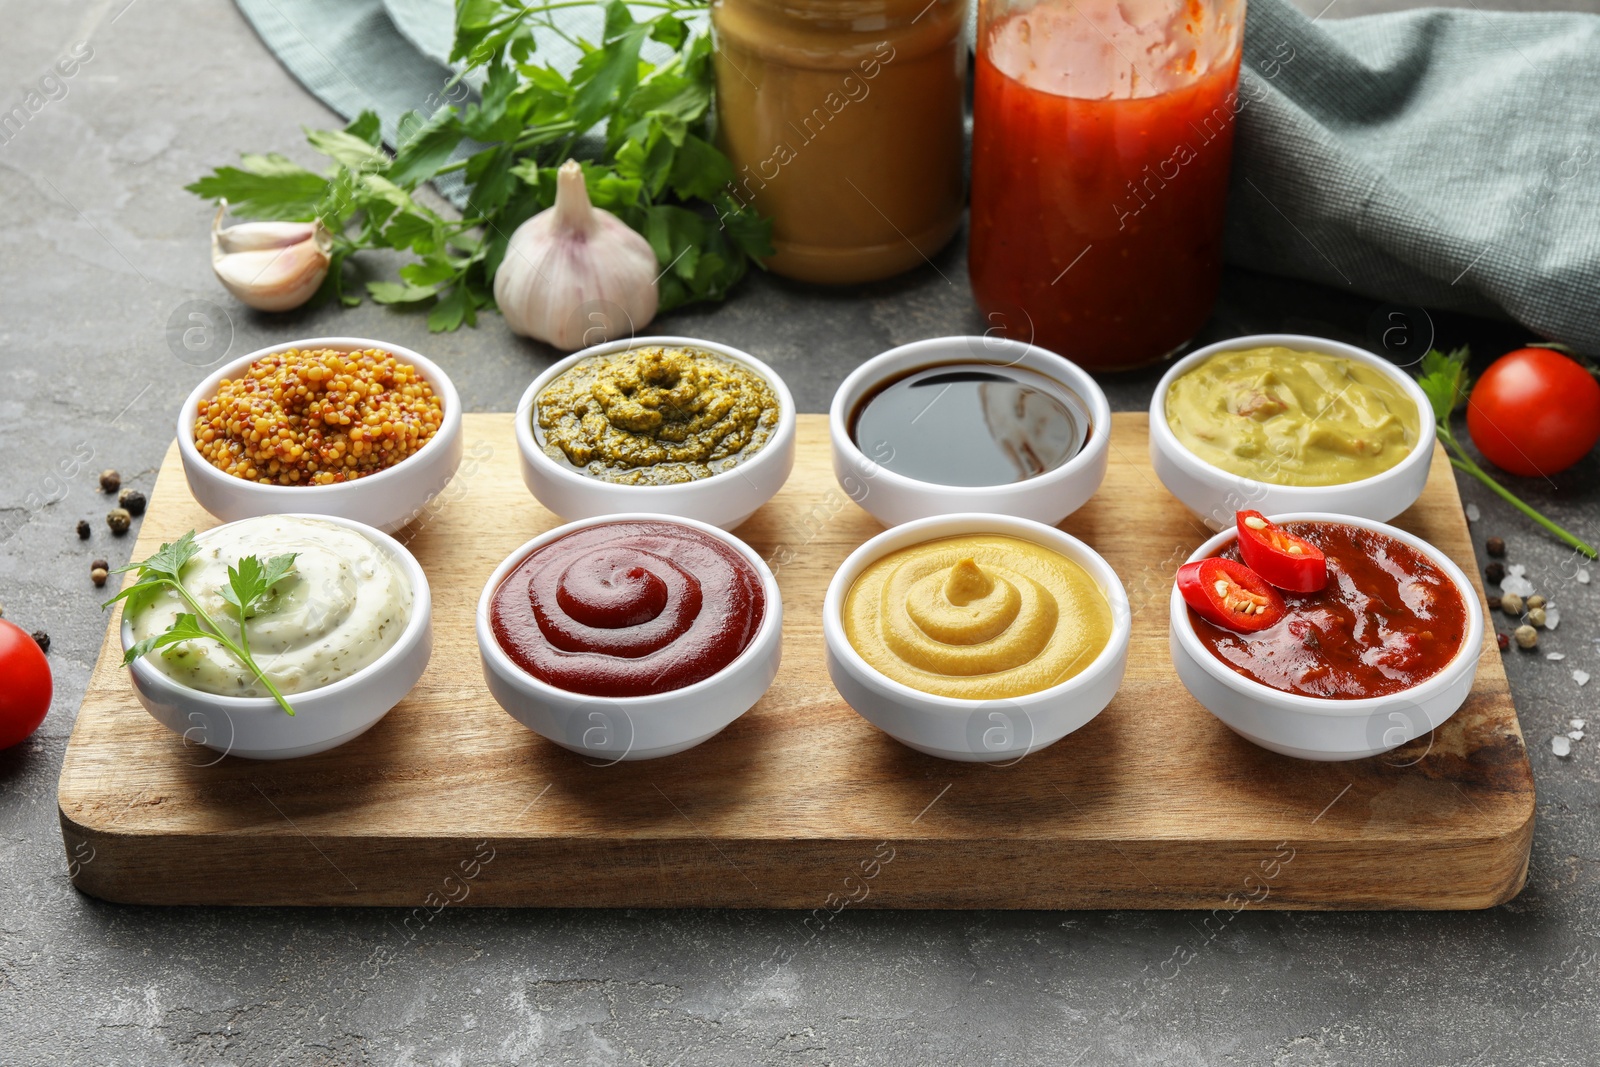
(344, 605)
(1287, 417)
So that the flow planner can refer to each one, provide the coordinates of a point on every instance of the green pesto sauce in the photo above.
(655, 415)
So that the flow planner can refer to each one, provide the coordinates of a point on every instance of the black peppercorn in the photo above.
(43, 639)
(119, 520)
(99, 565)
(133, 500)
(1494, 603)
(1495, 572)
(110, 481)
(1495, 546)
(83, 529)
(1503, 641)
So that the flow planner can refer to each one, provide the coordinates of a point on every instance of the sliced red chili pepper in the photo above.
(1287, 561)
(1229, 594)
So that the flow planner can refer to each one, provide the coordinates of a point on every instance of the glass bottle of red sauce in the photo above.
(1102, 137)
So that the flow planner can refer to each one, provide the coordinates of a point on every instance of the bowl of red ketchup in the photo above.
(632, 636)
(1323, 636)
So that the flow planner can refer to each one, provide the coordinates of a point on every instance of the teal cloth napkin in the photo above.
(1438, 158)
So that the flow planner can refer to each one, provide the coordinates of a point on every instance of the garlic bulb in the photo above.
(271, 266)
(574, 276)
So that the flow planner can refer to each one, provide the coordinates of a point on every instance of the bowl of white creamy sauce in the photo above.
(344, 636)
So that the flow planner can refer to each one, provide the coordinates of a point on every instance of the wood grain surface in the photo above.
(800, 803)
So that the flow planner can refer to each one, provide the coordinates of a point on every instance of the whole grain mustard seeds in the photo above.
(317, 417)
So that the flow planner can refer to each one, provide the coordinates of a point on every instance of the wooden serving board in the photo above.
(800, 803)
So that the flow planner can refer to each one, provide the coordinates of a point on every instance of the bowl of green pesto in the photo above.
(1286, 422)
(671, 425)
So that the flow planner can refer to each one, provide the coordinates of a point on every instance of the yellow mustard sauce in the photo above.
(977, 617)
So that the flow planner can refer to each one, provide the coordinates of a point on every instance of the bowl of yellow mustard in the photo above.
(1286, 422)
(976, 637)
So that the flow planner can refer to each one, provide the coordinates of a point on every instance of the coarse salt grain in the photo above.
(1581, 677)
(1576, 735)
(1561, 745)
(1583, 576)
(1556, 655)
(1577, 724)
(1516, 583)
(1552, 616)
(1473, 514)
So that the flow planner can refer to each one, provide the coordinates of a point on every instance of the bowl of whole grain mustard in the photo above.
(341, 426)
(1284, 422)
(666, 425)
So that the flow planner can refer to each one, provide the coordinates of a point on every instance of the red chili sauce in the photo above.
(1130, 176)
(1387, 620)
(628, 609)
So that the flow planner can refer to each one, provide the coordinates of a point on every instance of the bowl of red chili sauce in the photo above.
(1380, 650)
(630, 636)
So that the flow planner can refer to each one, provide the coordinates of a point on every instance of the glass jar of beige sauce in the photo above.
(843, 119)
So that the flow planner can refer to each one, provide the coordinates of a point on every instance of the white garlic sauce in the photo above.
(343, 606)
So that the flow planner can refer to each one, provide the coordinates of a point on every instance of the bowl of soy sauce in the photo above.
(962, 424)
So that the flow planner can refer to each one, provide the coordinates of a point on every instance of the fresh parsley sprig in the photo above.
(250, 586)
(1445, 380)
(652, 162)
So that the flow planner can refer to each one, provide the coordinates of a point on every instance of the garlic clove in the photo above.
(574, 276)
(270, 266)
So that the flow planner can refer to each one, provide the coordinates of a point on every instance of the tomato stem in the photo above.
(1463, 462)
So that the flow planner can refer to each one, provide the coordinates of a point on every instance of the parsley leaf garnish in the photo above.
(250, 586)
(656, 165)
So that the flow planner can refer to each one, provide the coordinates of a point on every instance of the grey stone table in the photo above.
(99, 248)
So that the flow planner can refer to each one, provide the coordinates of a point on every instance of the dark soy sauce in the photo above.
(971, 424)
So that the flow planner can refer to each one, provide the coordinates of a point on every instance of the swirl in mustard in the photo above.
(977, 617)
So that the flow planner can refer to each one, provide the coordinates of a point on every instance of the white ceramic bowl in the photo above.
(975, 731)
(725, 499)
(610, 729)
(256, 728)
(1315, 728)
(894, 498)
(387, 500)
(1215, 494)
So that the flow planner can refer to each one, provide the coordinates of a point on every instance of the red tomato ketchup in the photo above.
(1102, 138)
(628, 609)
(1387, 619)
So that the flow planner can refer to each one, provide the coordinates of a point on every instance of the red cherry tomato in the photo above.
(1534, 412)
(1229, 594)
(1286, 561)
(24, 685)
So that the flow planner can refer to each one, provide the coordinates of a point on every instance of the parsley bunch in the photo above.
(249, 586)
(1444, 379)
(654, 163)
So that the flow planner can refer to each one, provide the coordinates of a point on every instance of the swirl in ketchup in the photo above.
(628, 609)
